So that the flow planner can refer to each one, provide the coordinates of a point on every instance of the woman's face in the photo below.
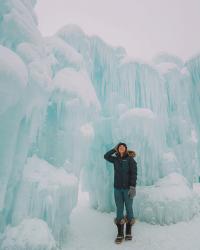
(121, 149)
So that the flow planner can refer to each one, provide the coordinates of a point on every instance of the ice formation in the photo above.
(32, 234)
(45, 192)
(48, 104)
(168, 201)
(67, 99)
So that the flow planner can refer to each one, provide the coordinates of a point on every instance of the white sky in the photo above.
(143, 27)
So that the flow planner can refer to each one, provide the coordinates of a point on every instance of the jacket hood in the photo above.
(130, 152)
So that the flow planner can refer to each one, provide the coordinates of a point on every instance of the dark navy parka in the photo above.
(125, 168)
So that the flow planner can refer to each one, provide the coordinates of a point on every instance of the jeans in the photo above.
(121, 197)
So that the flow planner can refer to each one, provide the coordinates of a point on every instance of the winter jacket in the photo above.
(125, 168)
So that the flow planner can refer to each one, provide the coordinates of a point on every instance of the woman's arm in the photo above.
(133, 172)
(108, 155)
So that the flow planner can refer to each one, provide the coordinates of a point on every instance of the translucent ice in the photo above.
(169, 200)
(67, 99)
(45, 119)
(48, 193)
(13, 78)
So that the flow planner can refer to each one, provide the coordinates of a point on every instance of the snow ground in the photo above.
(94, 230)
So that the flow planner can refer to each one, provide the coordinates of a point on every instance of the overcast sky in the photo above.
(143, 27)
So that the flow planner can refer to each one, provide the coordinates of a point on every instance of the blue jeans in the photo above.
(121, 197)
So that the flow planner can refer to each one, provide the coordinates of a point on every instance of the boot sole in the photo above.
(128, 238)
(119, 242)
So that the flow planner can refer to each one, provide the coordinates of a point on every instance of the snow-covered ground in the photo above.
(94, 230)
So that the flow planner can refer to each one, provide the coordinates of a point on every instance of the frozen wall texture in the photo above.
(67, 99)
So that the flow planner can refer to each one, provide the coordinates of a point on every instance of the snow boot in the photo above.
(120, 227)
(129, 224)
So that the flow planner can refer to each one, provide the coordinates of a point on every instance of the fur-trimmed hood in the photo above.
(130, 152)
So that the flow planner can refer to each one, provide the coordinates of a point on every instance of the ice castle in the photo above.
(67, 99)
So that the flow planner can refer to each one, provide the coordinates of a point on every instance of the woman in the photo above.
(125, 176)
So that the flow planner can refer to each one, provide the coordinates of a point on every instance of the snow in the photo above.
(76, 84)
(126, 60)
(32, 234)
(194, 136)
(169, 157)
(70, 29)
(18, 24)
(29, 52)
(65, 54)
(12, 67)
(140, 112)
(97, 231)
(47, 176)
(164, 57)
(185, 71)
(164, 68)
(87, 130)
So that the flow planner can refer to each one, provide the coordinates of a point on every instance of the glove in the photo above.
(132, 192)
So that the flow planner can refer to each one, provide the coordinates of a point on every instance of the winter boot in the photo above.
(120, 227)
(129, 224)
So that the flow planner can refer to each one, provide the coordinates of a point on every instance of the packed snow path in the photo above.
(93, 230)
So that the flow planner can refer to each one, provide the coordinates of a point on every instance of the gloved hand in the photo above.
(132, 192)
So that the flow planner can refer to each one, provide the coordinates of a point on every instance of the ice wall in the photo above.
(147, 105)
(150, 106)
(122, 83)
(48, 193)
(66, 100)
(193, 66)
(48, 105)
